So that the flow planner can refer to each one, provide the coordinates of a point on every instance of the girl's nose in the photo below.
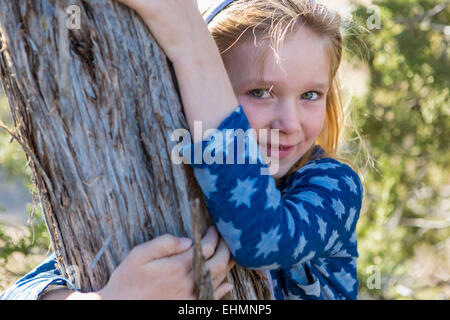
(287, 118)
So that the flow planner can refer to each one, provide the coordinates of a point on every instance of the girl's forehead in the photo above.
(302, 52)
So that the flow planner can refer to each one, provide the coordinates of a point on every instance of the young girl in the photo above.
(281, 59)
(272, 66)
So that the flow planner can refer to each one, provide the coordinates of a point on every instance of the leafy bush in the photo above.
(405, 121)
(14, 166)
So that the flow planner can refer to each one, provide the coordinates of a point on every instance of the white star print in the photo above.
(350, 219)
(231, 235)
(309, 166)
(302, 213)
(315, 165)
(340, 254)
(345, 279)
(312, 289)
(308, 257)
(272, 266)
(300, 246)
(338, 207)
(268, 243)
(273, 195)
(351, 184)
(336, 248)
(322, 227)
(353, 237)
(310, 197)
(290, 221)
(327, 293)
(328, 165)
(326, 182)
(322, 267)
(243, 192)
(295, 183)
(206, 180)
(353, 263)
(331, 240)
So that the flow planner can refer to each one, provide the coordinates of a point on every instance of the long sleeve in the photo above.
(314, 216)
(33, 284)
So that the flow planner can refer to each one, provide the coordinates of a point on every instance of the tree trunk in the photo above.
(94, 108)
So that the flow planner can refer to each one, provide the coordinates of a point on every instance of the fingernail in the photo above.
(185, 242)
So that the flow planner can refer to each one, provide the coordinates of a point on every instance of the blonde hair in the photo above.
(273, 20)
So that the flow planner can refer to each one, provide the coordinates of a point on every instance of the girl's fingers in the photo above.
(161, 247)
(222, 290)
(183, 259)
(219, 264)
(219, 292)
(179, 263)
(209, 242)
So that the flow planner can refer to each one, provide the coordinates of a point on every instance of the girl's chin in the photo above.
(282, 165)
(279, 171)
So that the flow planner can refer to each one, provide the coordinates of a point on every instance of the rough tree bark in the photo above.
(94, 109)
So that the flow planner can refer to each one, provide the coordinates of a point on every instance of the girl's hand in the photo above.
(177, 25)
(162, 269)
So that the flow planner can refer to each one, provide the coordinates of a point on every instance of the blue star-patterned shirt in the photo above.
(302, 232)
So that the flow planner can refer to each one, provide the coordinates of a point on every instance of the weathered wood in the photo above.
(94, 109)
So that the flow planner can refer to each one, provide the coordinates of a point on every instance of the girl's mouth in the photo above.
(283, 151)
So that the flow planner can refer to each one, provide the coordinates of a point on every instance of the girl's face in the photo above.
(291, 96)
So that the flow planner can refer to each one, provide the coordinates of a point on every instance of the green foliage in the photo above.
(405, 121)
(13, 166)
(37, 237)
(12, 159)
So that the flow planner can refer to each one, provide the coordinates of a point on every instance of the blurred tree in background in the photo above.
(404, 119)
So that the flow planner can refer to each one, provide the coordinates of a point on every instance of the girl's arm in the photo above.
(181, 31)
(158, 269)
(33, 284)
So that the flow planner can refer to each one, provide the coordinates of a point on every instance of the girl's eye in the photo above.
(260, 93)
(311, 95)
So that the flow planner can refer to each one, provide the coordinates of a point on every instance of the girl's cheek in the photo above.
(312, 119)
(256, 115)
(318, 122)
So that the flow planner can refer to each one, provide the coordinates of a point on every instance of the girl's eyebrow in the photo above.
(268, 83)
